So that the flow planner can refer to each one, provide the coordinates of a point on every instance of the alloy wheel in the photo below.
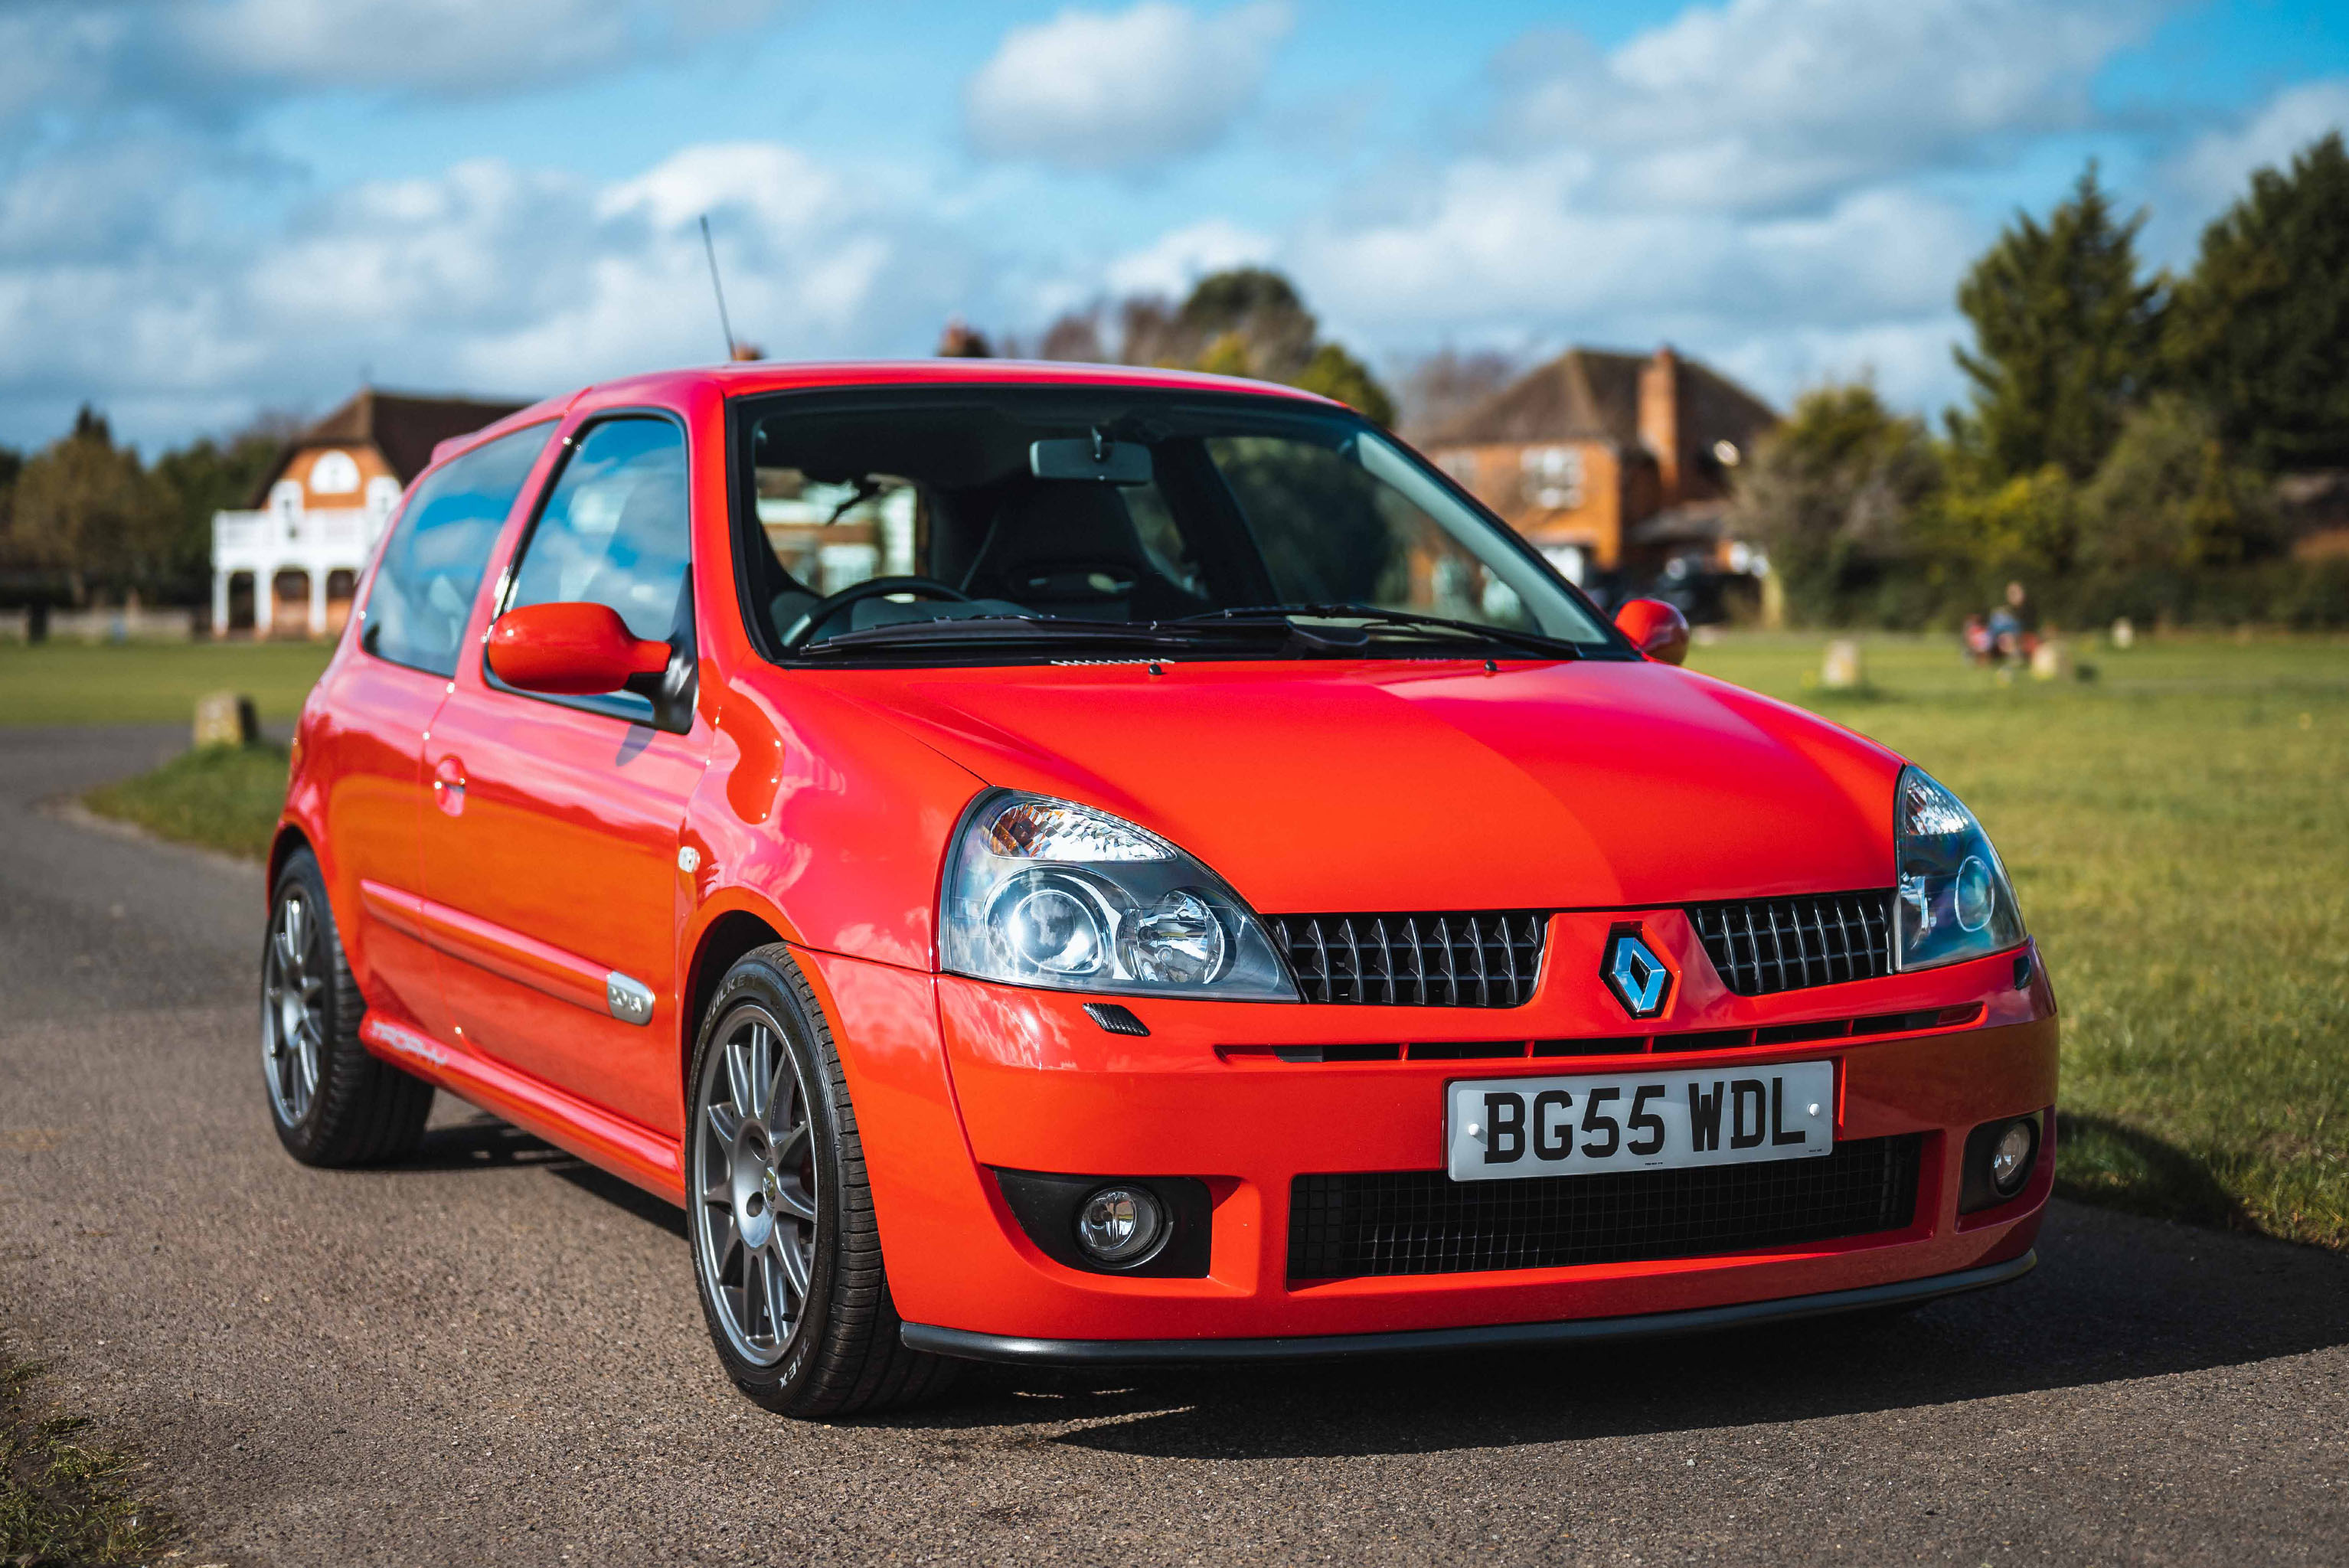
(294, 1008)
(754, 1176)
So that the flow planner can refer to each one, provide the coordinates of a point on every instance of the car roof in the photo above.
(738, 380)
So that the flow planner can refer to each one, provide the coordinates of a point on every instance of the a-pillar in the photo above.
(220, 602)
(317, 602)
(264, 600)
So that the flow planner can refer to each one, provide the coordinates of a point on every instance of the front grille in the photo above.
(1762, 945)
(1476, 960)
(1423, 1221)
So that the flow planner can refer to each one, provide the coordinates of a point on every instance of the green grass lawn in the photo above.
(2177, 829)
(2178, 833)
(222, 797)
(60, 681)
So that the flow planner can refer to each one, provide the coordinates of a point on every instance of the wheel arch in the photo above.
(291, 837)
(726, 939)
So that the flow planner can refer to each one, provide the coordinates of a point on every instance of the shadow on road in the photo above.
(2114, 1297)
(480, 1141)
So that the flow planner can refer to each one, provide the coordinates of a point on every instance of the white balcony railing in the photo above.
(309, 539)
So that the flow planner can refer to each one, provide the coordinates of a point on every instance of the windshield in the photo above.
(995, 522)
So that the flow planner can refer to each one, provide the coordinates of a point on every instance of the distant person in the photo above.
(1978, 641)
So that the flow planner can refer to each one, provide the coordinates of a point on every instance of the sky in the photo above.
(215, 209)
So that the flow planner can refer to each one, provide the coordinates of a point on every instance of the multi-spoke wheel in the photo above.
(754, 1170)
(331, 1102)
(293, 1008)
(785, 1249)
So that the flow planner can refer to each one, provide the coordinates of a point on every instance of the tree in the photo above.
(1247, 321)
(2065, 337)
(1836, 496)
(87, 508)
(2259, 331)
(2168, 496)
(201, 479)
(1449, 382)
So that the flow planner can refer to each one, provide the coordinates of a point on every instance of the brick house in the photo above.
(288, 566)
(1608, 461)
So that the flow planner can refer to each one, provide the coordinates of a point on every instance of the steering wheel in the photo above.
(831, 604)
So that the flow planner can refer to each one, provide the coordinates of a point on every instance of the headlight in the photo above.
(1953, 900)
(1045, 892)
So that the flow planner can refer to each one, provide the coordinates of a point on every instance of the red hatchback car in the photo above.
(1069, 864)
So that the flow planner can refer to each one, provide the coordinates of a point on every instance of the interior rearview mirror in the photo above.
(1094, 457)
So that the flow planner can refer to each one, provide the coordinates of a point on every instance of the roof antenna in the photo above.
(717, 288)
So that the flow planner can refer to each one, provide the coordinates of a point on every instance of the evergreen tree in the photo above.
(2066, 336)
(2260, 329)
(86, 507)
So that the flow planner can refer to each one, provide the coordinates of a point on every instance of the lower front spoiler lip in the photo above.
(970, 1346)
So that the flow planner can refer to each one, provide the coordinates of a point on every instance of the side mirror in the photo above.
(571, 650)
(1655, 628)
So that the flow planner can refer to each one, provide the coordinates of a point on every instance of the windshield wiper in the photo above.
(1289, 614)
(996, 630)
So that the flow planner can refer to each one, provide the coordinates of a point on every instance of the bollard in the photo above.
(226, 718)
(1842, 671)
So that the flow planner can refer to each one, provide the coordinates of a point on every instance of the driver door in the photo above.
(550, 846)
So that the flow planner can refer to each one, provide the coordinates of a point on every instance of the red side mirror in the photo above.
(570, 650)
(1655, 628)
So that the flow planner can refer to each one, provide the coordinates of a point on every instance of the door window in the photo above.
(433, 563)
(613, 533)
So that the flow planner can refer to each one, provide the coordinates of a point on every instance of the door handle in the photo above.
(449, 785)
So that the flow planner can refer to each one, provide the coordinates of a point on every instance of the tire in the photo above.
(333, 1103)
(786, 1255)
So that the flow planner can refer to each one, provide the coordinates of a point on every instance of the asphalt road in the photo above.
(493, 1354)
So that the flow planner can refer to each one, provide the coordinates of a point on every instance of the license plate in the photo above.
(1496, 1129)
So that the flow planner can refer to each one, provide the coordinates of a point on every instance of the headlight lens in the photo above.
(1047, 892)
(1953, 900)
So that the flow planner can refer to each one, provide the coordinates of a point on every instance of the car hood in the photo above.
(1407, 786)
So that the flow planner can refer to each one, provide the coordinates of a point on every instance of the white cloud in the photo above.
(1762, 103)
(461, 45)
(1170, 264)
(1500, 239)
(2215, 169)
(213, 60)
(487, 275)
(1097, 90)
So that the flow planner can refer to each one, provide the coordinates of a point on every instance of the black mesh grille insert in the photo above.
(1423, 1221)
(1762, 945)
(1475, 960)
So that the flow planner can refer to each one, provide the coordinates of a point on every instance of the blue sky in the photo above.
(211, 208)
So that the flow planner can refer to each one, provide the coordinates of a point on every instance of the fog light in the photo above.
(1120, 1225)
(2010, 1157)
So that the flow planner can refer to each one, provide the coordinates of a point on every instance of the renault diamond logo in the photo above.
(1636, 976)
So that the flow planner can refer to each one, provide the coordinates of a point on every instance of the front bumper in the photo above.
(969, 1347)
(954, 1078)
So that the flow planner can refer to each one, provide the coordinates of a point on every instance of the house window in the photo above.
(334, 473)
(1552, 477)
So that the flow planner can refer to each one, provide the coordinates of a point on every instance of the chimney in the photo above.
(1660, 419)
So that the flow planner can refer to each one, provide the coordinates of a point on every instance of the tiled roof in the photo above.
(403, 428)
(1593, 394)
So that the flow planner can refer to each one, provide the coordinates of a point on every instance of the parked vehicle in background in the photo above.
(1071, 864)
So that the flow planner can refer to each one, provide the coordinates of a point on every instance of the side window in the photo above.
(614, 531)
(433, 563)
